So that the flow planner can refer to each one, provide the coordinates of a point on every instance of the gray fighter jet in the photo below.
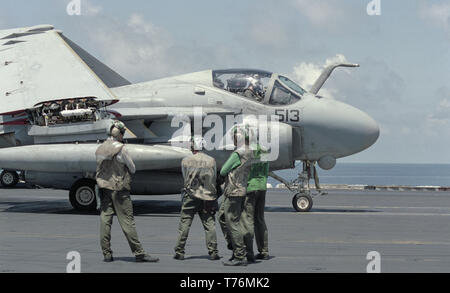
(58, 103)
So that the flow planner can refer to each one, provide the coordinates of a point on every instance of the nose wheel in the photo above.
(302, 200)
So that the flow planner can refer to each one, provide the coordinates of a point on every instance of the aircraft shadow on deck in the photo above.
(147, 208)
(19, 185)
(269, 209)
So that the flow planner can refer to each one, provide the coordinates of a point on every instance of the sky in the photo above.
(403, 81)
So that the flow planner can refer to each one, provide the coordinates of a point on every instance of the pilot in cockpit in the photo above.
(255, 88)
(218, 83)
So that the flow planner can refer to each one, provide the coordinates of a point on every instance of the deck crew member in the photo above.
(236, 170)
(199, 196)
(114, 169)
(253, 218)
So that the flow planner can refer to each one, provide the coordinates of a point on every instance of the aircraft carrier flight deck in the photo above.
(409, 230)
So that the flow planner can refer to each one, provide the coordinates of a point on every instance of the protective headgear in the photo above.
(241, 135)
(241, 131)
(196, 143)
(253, 133)
(117, 128)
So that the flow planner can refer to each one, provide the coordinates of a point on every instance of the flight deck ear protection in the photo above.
(241, 133)
(119, 125)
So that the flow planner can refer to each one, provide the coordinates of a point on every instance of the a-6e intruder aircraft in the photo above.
(57, 103)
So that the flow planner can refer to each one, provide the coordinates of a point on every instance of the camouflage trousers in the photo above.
(230, 214)
(189, 208)
(252, 223)
(118, 203)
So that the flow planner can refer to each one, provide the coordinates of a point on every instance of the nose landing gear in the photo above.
(302, 202)
(303, 196)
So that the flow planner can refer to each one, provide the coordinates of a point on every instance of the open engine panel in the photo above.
(83, 119)
(68, 111)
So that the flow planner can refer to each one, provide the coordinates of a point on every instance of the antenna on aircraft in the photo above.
(326, 74)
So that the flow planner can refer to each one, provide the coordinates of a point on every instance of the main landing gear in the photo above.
(82, 195)
(303, 196)
(9, 178)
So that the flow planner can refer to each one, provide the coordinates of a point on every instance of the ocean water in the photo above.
(378, 174)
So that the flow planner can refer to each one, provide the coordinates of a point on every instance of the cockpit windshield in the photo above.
(249, 83)
(292, 85)
(282, 96)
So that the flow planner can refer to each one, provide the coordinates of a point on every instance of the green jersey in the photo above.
(259, 172)
(232, 163)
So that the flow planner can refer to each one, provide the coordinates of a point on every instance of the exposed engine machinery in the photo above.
(67, 111)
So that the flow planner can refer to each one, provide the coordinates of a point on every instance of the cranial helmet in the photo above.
(117, 128)
(196, 143)
(241, 131)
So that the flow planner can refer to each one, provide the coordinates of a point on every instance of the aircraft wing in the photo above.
(39, 64)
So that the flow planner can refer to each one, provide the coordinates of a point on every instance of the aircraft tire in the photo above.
(82, 195)
(302, 202)
(9, 178)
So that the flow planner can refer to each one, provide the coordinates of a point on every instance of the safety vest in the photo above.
(199, 172)
(112, 174)
(237, 178)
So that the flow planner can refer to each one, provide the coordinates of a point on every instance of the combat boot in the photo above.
(146, 258)
(179, 256)
(262, 256)
(108, 258)
(236, 262)
(214, 256)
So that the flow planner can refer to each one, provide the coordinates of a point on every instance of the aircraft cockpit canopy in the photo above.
(245, 82)
(261, 86)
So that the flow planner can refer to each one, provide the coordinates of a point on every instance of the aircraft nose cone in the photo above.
(364, 132)
(338, 129)
(369, 129)
(355, 129)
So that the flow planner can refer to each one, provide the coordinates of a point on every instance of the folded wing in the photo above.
(39, 64)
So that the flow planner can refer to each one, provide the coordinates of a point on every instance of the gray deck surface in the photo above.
(411, 231)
